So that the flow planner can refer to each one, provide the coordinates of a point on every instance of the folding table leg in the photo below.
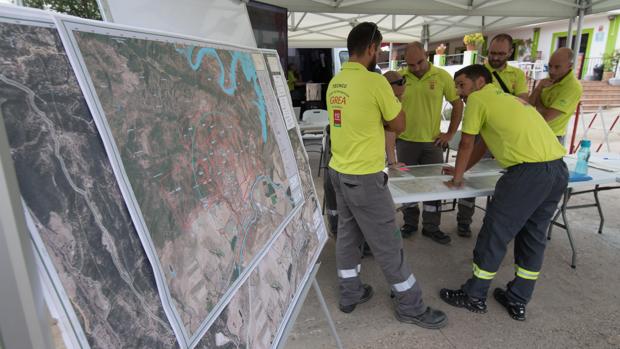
(600, 210)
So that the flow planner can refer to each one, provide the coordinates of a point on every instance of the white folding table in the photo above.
(426, 183)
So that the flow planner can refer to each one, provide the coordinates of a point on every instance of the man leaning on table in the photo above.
(526, 195)
(512, 81)
(557, 96)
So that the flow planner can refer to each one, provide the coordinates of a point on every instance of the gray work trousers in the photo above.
(525, 199)
(421, 153)
(366, 211)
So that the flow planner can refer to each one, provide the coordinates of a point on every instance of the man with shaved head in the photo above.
(422, 141)
(557, 96)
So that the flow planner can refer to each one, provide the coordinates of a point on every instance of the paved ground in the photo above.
(572, 308)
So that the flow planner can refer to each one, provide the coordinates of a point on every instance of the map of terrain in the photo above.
(196, 143)
(254, 315)
(70, 191)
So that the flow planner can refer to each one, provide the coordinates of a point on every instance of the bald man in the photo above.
(557, 96)
(422, 141)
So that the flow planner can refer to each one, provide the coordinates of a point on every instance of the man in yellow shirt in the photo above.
(507, 78)
(422, 141)
(526, 195)
(557, 96)
(361, 108)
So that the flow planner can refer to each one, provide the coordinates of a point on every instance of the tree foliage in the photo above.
(79, 8)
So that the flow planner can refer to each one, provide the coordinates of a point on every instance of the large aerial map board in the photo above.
(99, 277)
(202, 155)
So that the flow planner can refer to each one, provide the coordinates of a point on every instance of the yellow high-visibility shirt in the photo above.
(513, 130)
(562, 96)
(422, 103)
(291, 80)
(358, 101)
(513, 78)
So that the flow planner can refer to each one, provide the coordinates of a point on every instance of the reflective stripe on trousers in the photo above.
(482, 274)
(405, 285)
(526, 274)
(349, 273)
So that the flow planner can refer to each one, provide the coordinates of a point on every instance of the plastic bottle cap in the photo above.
(585, 143)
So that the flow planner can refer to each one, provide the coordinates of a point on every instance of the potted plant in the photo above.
(472, 41)
(441, 49)
(610, 63)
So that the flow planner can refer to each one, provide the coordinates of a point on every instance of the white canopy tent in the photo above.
(326, 23)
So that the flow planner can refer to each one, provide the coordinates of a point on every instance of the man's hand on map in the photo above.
(448, 170)
(397, 165)
(454, 183)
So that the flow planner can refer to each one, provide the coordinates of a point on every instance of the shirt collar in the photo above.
(491, 69)
(566, 78)
(353, 66)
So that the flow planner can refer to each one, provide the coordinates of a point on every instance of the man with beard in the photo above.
(557, 96)
(422, 142)
(361, 107)
(510, 80)
(526, 195)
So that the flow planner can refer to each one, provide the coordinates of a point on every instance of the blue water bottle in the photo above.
(583, 155)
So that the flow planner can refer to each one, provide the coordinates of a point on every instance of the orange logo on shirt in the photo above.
(431, 84)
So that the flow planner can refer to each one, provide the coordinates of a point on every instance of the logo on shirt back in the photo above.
(337, 118)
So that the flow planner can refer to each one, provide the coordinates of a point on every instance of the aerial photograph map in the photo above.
(70, 192)
(196, 143)
(254, 315)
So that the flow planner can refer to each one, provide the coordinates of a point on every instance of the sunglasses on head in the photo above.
(399, 82)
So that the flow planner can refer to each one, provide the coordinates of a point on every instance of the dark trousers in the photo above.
(525, 199)
(366, 211)
(421, 153)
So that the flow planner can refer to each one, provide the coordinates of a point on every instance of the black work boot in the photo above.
(437, 236)
(368, 292)
(430, 318)
(407, 230)
(516, 310)
(460, 299)
(464, 230)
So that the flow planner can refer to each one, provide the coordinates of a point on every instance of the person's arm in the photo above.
(396, 125)
(390, 148)
(523, 96)
(534, 98)
(547, 113)
(463, 157)
(455, 120)
(480, 148)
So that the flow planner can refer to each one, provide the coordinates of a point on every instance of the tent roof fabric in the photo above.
(326, 23)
